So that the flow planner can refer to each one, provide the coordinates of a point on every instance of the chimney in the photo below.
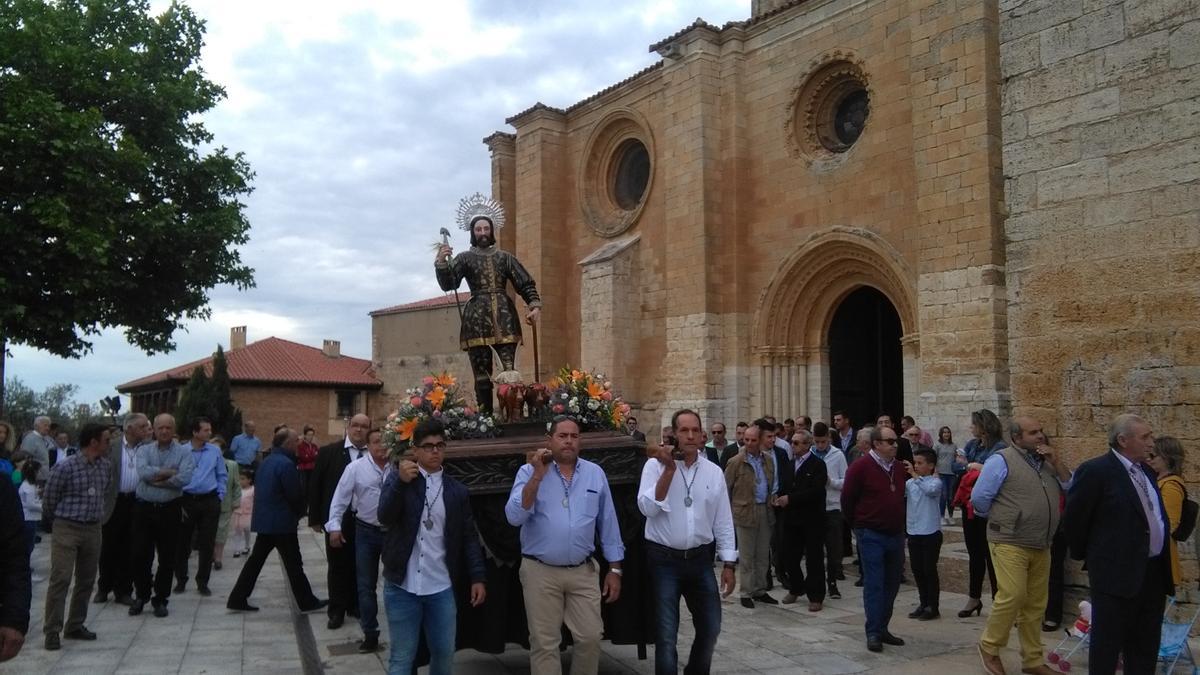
(332, 348)
(237, 337)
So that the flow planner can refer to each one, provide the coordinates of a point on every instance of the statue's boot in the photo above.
(483, 396)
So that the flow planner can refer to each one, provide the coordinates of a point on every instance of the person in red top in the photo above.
(874, 505)
(306, 455)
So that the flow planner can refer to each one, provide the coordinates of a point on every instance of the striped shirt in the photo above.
(76, 489)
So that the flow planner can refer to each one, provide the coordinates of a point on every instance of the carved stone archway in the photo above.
(791, 323)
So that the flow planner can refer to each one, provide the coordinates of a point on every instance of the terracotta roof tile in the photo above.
(274, 360)
(428, 303)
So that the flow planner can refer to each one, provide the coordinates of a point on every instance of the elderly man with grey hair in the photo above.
(37, 444)
(1115, 521)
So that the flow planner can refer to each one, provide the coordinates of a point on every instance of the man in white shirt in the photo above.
(116, 549)
(688, 519)
(358, 491)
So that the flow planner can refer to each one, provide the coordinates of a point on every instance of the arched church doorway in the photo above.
(866, 368)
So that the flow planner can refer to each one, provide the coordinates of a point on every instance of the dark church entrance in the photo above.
(866, 370)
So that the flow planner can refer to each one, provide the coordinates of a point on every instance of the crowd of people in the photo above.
(779, 503)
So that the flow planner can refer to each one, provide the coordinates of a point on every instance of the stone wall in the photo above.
(409, 345)
(1101, 114)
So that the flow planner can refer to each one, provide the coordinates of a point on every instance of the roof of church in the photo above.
(273, 360)
(427, 303)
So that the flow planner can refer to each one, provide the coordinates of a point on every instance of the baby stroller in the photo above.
(1078, 635)
(1174, 642)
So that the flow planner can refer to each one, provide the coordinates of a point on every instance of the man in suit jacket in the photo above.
(332, 460)
(804, 516)
(428, 519)
(1115, 520)
(116, 549)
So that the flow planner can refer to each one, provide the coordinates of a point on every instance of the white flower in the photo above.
(593, 404)
(564, 396)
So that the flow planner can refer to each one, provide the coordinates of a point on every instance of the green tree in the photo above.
(115, 208)
(227, 419)
(57, 401)
(195, 400)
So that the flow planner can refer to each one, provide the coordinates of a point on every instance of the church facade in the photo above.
(923, 207)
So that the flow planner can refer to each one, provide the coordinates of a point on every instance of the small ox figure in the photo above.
(537, 397)
(512, 401)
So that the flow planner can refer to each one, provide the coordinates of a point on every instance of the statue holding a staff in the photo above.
(489, 317)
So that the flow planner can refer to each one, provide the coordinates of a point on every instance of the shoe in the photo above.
(161, 611)
(874, 644)
(1050, 626)
(916, 613)
(240, 607)
(859, 583)
(216, 564)
(748, 603)
(834, 593)
(180, 587)
(126, 600)
(1040, 670)
(970, 609)
(203, 590)
(790, 599)
(101, 598)
(236, 554)
(766, 599)
(137, 607)
(929, 614)
(80, 633)
(319, 604)
(369, 643)
(52, 643)
(336, 621)
(814, 606)
(889, 639)
(992, 665)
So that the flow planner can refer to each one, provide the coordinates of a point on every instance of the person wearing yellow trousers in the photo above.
(1023, 484)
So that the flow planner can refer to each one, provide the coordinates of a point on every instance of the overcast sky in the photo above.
(363, 121)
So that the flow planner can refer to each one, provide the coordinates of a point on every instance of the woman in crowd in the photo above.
(1167, 462)
(987, 439)
(947, 453)
(306, 455)
(233, 496)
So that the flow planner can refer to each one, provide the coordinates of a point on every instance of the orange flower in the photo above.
(576, 376)
(446, 380)
(406, 428)
(436, 397)
(554, 383)
(594, 390)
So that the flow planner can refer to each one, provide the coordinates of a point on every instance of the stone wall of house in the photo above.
(407, 346)
(270, 406)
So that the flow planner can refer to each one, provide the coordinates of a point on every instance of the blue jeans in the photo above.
(368, 546)
(949, 482)
(882, 557)
(693, 578)
(408, 614)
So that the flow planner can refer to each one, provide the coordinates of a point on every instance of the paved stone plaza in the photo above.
(201, 636)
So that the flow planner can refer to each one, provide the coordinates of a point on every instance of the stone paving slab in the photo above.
(202, 637)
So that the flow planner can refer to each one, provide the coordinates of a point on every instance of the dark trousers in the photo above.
(341, 576)
(924, 549)
(978, 555)
(692, 578)
(1058, 559)
(835, 532)
(117, 549)
(1130, 627)
(157, 530)
(808, 542)
(882, 556)
(288, 546)
(779, 548)
(368, 548)
(201, 515)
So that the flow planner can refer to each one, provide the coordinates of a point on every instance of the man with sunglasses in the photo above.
(563, 504)
(873, 503)
(631, 425)
(430, 548)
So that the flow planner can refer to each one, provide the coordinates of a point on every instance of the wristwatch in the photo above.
(617, 571)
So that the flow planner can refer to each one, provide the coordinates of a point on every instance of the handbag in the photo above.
(1187, 519)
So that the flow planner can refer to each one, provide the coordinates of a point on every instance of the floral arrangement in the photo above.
(438, 397)
(588, 397)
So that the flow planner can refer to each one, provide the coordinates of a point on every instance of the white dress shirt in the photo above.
(129, 474)
(426, 573)
(673, 524)
(1147, 490)
(359, 486)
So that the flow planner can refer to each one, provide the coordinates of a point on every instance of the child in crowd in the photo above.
(31, 502)
(242, 515)
(923, 492)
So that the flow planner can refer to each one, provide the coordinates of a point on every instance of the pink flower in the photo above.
(437, 413)
(427, 380)
(624, 408)
(468, 412)
(606, 396)
(558, 408)
(415, 401)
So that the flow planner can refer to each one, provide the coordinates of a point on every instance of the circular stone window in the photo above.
(830, 111)
(617, 173)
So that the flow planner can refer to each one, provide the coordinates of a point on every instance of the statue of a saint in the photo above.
(489, 318)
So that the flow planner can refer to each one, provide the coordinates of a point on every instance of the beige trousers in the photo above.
(74, 552)
(554, 595)
(754, 551)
